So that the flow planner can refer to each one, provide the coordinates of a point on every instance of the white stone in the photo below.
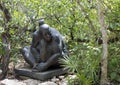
(72, 76)
(12, 82)
(48, 83)
(62, 83)
(54, 79)
(31, 82)
(0, 71)
(61, 77)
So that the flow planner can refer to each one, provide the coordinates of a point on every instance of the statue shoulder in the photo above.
(36, 33)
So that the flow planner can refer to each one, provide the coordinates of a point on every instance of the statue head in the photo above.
(44, 29)
(46, 35)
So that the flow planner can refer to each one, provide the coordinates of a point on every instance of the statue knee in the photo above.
(24, 51)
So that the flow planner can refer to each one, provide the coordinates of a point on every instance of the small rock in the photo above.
(54, 79)
(1, 83)
(61, 77)
(12, 82)
(31, 82)
(48, 83)
(62, 83)
(21, 63)
(11, 65)
(72, 76)
(0, 71)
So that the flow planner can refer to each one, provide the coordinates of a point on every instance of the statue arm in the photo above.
(35, 53)
(35, 42)
(51, 61)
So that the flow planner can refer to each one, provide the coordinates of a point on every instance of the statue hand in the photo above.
(41, 66)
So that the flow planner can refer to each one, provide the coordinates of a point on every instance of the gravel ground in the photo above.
(61, 80)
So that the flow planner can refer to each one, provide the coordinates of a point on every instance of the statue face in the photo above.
(47, 35)
(44, 29)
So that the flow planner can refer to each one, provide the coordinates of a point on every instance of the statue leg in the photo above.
(29, 58)
(36, 54)
(53, 60)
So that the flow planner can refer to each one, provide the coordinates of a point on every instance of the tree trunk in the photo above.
(6, 56)
(104, 60)
(5, 40)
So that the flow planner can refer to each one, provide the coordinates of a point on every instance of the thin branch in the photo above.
(104, 59)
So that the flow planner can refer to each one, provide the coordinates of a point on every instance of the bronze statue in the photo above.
(43, 54)
(46, 48)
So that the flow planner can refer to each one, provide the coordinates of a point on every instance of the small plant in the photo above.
(84, 63)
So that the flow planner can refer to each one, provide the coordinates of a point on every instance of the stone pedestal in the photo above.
(40, 75)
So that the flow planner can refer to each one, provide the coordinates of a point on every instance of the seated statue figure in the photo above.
(46, 48)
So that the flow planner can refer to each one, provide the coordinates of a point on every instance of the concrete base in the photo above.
(40, 75)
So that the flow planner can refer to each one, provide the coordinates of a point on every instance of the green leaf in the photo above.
(113, 75)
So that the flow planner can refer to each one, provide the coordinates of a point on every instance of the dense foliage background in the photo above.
(77, 20)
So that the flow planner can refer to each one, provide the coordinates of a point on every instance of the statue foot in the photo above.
(34, 66)
(34, 70)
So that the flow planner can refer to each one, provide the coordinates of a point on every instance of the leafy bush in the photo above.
(84, 61)
(114, 63)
